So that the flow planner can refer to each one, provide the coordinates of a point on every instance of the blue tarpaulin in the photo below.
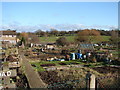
(78, 56)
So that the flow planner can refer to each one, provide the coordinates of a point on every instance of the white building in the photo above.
(8, 36)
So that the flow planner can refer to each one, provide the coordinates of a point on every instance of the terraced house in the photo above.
(8, 36)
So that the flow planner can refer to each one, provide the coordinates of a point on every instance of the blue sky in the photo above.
(30, 16)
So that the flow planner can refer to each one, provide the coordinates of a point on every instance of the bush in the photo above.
(62, 41)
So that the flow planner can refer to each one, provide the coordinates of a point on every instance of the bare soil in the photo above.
(106, 70)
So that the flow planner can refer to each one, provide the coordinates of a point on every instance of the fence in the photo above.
(90, 82)
(84, 83)
(108, 82)
(81, 83)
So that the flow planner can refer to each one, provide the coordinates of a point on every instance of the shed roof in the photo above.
(86, 46)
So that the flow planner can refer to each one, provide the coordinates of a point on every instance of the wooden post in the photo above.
(90, 81)
(23, 45)
(16, 50)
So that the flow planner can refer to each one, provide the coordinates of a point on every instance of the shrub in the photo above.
(62, 41)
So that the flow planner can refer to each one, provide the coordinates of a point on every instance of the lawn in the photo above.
(52, 39)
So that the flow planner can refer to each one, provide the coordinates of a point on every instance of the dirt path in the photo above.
(33, 77)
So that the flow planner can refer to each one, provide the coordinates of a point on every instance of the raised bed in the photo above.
(62, 63)
(47, 65)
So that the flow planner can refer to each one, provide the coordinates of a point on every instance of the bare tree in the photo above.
(62, 41)
(54, 32)
(87, 35)
(40, 33)
(114, 37)
(33, 38)
(24, 38)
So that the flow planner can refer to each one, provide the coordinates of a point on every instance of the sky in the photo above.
(31, 16)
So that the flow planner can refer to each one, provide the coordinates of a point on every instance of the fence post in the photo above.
(90, 81)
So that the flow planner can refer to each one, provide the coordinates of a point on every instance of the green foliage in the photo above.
(23, 40)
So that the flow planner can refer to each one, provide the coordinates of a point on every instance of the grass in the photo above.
(54, 38)
(39, 68)
(71, 39)
(5, 63)
(56, 62)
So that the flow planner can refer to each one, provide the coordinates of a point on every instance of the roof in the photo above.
(86, 46)
(11, 59)
(9, 32)
(50, 43)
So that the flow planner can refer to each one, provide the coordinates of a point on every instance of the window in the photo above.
(7, 35)
(10, 35)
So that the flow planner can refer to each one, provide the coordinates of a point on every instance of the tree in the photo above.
(54, 32)
(33, 38)
(62, 33)
(62, 41)
(115, 39)
(27, 38)
(105, 33)
(87, 35)
(40, 33)
(71, 32)
(24, 38)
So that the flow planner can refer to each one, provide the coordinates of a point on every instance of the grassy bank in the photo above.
(70, 39)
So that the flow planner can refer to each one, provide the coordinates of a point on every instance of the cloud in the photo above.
(47, 27)
(107, 27)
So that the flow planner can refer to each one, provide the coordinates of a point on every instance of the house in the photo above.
(14, 64)
(8, 36)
